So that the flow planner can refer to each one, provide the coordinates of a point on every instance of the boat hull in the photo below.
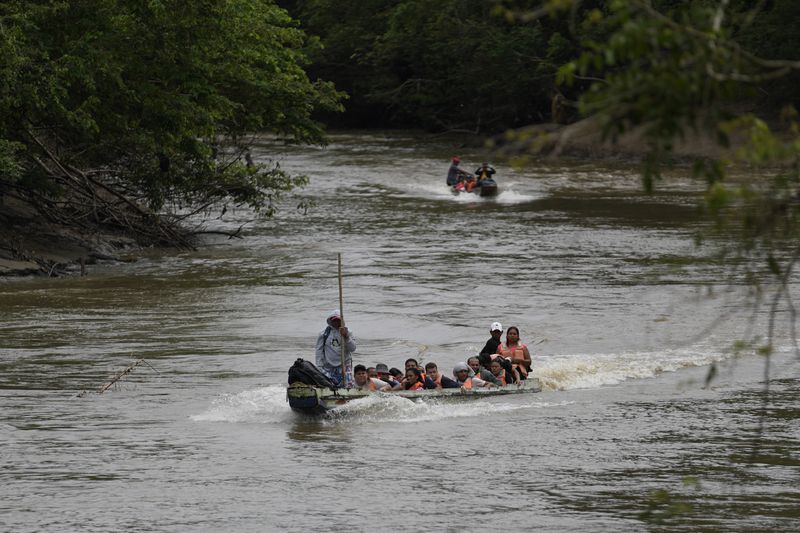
(315, 401)
(487, 188)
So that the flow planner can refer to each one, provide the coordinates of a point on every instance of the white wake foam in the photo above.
(385, 407)
(441, 191)
(262, 405)
(565, 372)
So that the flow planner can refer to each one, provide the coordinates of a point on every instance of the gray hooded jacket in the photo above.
(329, 345)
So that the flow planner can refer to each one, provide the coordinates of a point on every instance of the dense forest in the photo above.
(485, 66)
(136, 115)
(123, 114)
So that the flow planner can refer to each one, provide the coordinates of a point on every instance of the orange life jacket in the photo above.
(467, 384)
(505, 351)
(501, 378)
(422, 383)
(518, 351)
(416, 386)
(369, 385)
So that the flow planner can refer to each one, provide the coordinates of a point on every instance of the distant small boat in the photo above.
(486, 187)
(314, 400)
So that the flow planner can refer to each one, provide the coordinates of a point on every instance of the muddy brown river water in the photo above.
(622, 312)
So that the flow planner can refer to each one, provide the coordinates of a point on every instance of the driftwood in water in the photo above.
(119, 376)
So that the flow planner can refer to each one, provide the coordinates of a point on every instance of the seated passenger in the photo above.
(466, 379)
(483, 373)
(441, 381)
(484, 172)
(364, 382)
(504, 376)
(412, 363)
(397, 374)
(385, 374)
(496, 332)
(455, 174)
(517, 352)
(414, 380)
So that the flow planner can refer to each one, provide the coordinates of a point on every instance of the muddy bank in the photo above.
(30, 244)
(583, 140)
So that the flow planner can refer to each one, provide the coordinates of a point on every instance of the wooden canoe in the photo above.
(310, 400)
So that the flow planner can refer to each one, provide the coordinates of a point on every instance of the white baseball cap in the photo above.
(496, 326)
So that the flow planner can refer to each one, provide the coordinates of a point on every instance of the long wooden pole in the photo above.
(343, 350)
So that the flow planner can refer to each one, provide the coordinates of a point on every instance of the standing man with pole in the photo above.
(335, 345)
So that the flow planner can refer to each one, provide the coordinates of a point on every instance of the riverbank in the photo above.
(32, 245)
(583, 140)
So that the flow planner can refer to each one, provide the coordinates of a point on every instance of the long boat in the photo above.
(312, 400)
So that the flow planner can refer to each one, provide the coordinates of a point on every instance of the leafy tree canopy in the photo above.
(152, 99)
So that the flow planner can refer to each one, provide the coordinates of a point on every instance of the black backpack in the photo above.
(306, 372)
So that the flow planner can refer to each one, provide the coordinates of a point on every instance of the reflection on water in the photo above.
(306, 429)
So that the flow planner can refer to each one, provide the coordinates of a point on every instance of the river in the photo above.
(623, 313)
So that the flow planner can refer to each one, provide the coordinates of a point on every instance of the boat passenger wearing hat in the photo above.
(485, 356)
(455, 174)
(385, 375)
(329, 351)
(364, 382)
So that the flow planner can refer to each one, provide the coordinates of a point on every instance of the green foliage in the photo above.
(672, 71)
(160, 95)
(9, 160)
(441, 64)
(654, 75)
